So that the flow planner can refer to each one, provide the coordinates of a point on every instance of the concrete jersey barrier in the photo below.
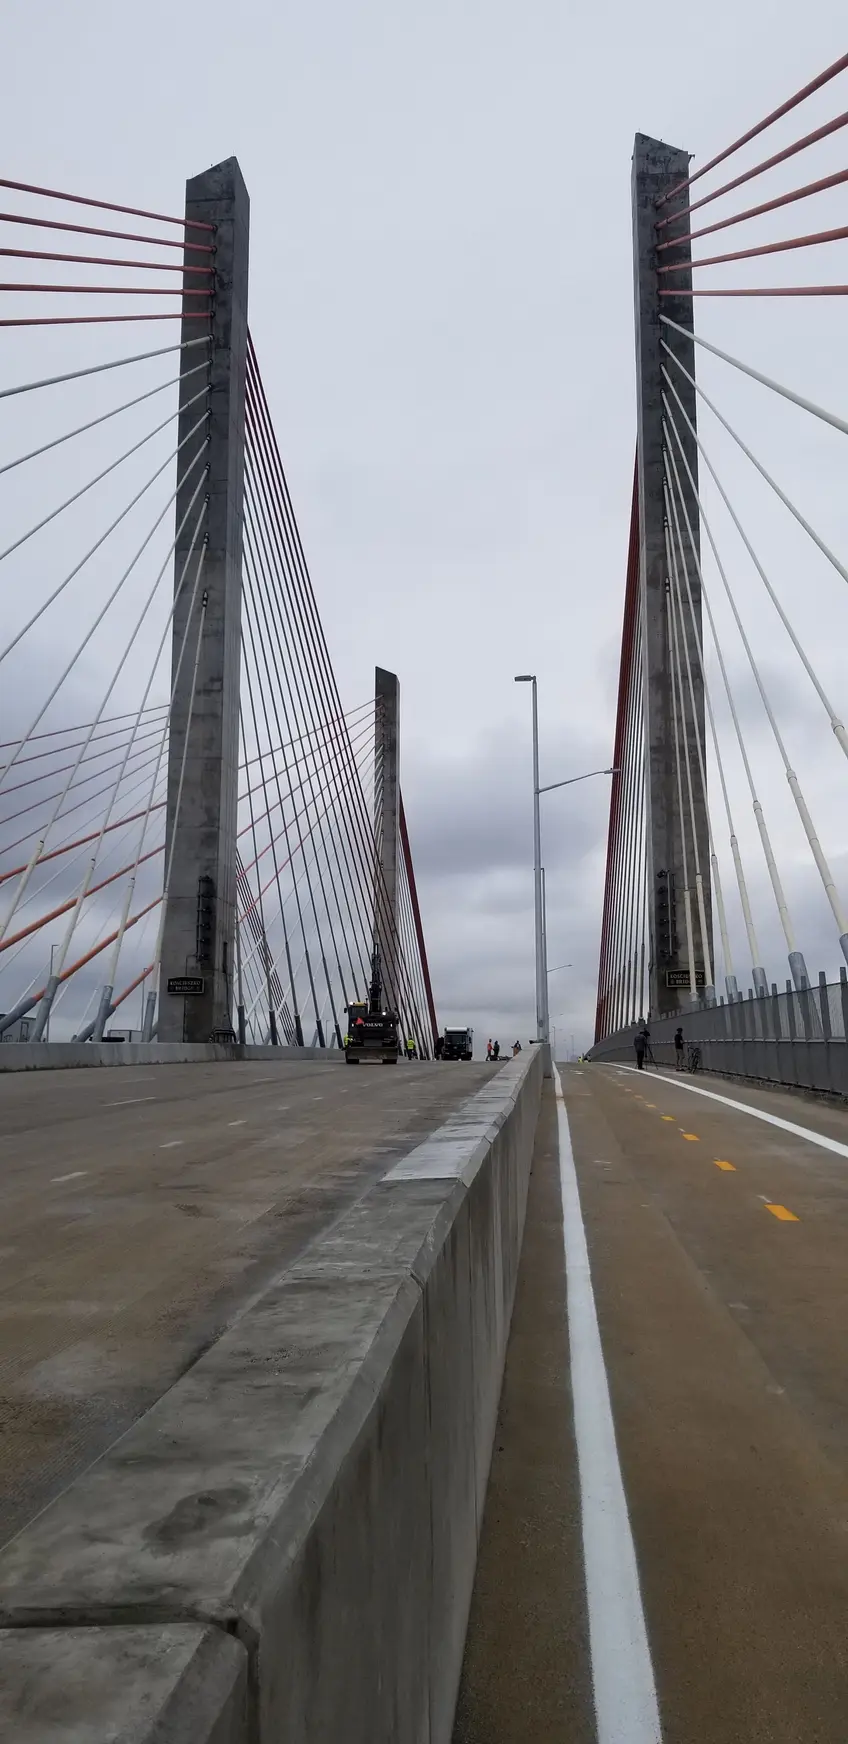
(35, 1056)
(283, 1548)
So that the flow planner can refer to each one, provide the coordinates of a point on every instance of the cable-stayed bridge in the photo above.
(185, 796)
(734, 590)
(485, 1406)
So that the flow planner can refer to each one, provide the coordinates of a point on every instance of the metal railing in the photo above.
(792, 1038)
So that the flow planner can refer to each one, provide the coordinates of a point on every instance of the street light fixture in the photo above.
(560, 966)
(570, 780)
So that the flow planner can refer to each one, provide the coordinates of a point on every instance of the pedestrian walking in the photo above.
(640, 1043)
(678, 1047)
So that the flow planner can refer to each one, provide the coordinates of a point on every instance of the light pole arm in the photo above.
(570, 780)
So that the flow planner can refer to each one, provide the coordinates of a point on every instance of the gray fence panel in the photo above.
(791, 1038)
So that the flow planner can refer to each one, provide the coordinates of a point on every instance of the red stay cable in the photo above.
(631, 602)
(110, 290)
(760, 168)
(105, 205)
(105, 260)
(94, 952)
(763, 248)
(791, 103)
(54, 913)
(81, 840)
(803, 193)
(768, 291)
(98, 320)
(94, 230)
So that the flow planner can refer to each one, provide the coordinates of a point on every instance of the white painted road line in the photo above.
(128, 1101)
(236, 1122)
(816, 1138)
(170, 1143)
(626, 1710)
(74, 1175)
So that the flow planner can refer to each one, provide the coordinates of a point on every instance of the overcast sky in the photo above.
(441, 299)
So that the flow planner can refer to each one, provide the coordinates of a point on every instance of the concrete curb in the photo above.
(38, 1056)
(313, 1487)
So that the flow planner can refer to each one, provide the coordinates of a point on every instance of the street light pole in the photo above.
(47, 1025)
(542, 1007)
(538, 875)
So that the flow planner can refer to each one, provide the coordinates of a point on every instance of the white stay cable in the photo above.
(797, 400)
(173, 381)
(113, 971)
(47, 1001)
(50, 990)
(759, 815)
(39, 846)
(52, 381)
(93, 481)
(734, 844)
(765, 839)
(103, 537)
(836, 724)
(157, 955)
(687, 895)
(101, 615)
(787, 501)
(794, 784)
(678, 632)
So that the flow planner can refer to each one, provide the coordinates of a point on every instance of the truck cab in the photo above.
(458, 1044)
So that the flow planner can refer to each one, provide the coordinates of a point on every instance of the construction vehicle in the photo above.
(372, 1031)
(458, 1044)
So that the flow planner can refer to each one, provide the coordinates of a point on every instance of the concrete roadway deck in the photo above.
(140, 1210)
(723, 1323)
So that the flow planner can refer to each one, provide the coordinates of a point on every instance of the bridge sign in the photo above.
(186, 983)
(673, 978)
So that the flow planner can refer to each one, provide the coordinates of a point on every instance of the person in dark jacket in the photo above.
(640, 1043)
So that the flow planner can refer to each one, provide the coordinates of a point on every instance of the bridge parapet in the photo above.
(797, 1039)
(285, 1544)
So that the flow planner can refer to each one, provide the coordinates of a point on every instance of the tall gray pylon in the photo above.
(387, 828)
(200, 846)
(657, 168)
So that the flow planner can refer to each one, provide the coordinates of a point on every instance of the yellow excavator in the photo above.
(372, 1031)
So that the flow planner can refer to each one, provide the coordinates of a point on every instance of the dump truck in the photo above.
(372, 1030)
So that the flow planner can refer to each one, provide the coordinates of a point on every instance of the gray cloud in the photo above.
(441, 299)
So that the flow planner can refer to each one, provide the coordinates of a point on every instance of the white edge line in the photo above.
(626, 1710)
(817, 1138)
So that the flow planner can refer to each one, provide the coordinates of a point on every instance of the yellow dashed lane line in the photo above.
(781, 1212)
